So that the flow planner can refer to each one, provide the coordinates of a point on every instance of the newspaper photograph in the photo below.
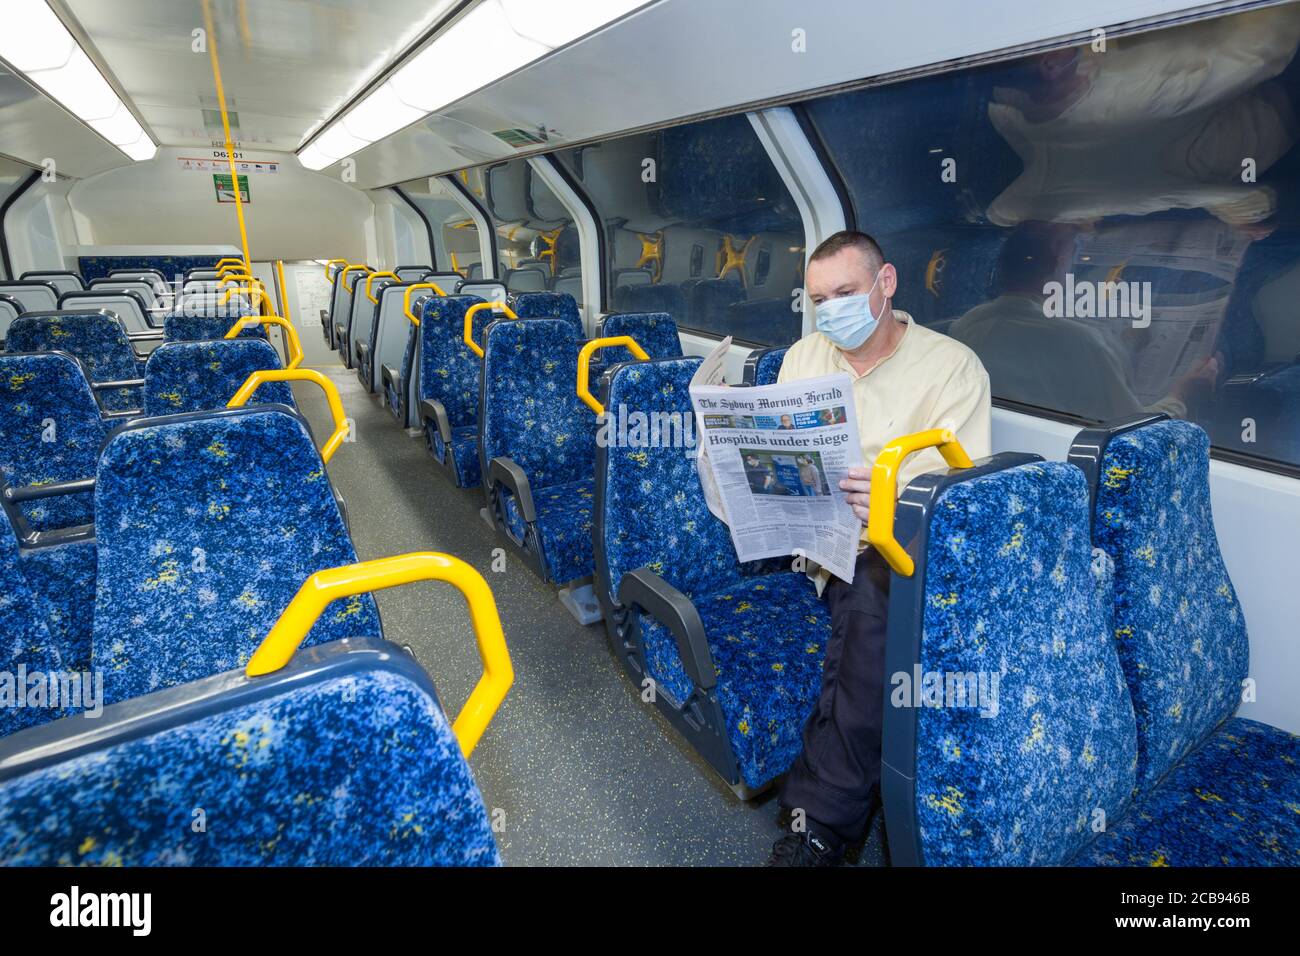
(771, 463)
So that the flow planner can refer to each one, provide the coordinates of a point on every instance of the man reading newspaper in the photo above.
(903, 378)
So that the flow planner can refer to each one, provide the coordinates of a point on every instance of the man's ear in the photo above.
(888, 280)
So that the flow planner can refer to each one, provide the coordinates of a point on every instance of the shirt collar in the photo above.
(842, 363)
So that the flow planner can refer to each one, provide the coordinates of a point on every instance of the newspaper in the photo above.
(771, 463)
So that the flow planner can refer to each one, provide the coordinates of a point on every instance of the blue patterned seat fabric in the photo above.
(64, 575)
(550, 305)
(1179, 628)
(1234, 801)
(532, 415)
(95, 267)
(343, 768)
(656, 332)
(207, 526)
(47, 397)
(199, 376)
(767, 632)
(767, 366)
(97, 339)
(25, 638)
(179, 327)
(1020, 778)
(449, 373)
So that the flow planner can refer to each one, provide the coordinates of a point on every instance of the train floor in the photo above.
(578, 770)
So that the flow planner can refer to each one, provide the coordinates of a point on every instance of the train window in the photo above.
(454, 231)
(1112, 231)
(536, 239)
(12, 175)
(686, 213)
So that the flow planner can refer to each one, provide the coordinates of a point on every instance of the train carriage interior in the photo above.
(331, 336)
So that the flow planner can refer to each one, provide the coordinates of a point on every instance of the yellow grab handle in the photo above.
(263, 376)
(584, 365)
(884, 490)
(406, 299)
(333, 262)
(378, 275)
(238, 277)
(323, 587)
(469, 322)
(345, 272)
(290, 333)
(263, 300)
(228, 261)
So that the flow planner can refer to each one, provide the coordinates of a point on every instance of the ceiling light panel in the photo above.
(37, 44)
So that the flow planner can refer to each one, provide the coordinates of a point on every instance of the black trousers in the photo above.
(836, 778)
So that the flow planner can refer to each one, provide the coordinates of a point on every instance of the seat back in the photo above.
(62, 281)
(393, 331)
(207, 524)
(412, 273)
(27, 640)
(529, 408)
(1178, 626)
(656, 332)
(143, 287)
(527, 279)
(1008, 736)
(10, 309)
(35, 296)
(488, 291)
(96, 338)
(449, 371)
(126, 304)
(448, 282)
(549, 305)
(202, 376)
(51, 430)
(364, 313)
(182, 327)
(762, 366)
(342, 758)
(649, 508)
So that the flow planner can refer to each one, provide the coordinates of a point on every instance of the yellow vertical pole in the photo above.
(225, 125)
(284, 296)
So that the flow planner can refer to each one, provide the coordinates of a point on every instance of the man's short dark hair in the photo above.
(851, 239)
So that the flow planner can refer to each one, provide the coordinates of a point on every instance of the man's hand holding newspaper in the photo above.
(782, 465)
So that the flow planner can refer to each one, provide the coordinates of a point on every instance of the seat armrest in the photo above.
(649, 592)
(123, 383)
(52, 490)
(363, 349)
(503, 471)
(391, 376)
(432, 410)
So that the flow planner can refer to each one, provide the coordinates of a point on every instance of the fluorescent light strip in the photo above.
(492, 40)
(36, 43)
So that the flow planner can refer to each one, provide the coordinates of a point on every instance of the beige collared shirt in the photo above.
(928, 381)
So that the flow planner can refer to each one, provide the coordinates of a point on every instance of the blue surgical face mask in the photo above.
(848, 321)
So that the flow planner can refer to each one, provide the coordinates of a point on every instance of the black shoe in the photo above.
(806, 849)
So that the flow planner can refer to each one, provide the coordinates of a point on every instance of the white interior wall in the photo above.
(292, 214)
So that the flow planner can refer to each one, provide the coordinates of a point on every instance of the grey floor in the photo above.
(585, 773)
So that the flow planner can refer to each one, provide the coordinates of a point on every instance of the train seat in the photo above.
(127, 304)
(656, 332)
(448, 282)
(10, 309)
(412, 273)
(354, 319)
(1213, 788)
(97, 339)
(735, 651)
(365, 312)
(550, 305)
(195, 327)
(449, 385)
(351, 731)
(207, 523)
(35, 296)
(392, 334)
(61, 280)
(762, 366)
(1009, 736)
(28, 641)
(538, 445)
(527, 279)
(47, 396)
(202, 376)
